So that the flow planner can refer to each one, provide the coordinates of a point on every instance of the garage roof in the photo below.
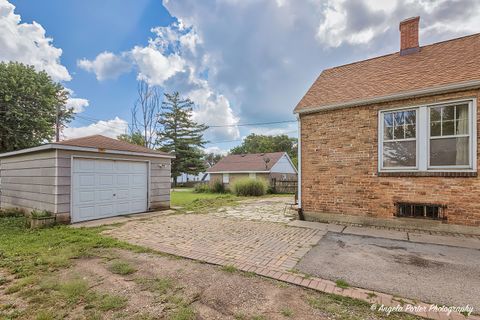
(95, 143)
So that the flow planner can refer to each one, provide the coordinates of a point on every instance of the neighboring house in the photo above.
(185, 178)
(86, 178)
(266, 166)
(394, 136)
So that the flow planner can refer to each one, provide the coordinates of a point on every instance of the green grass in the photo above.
(74, 291)
(286, 312)
(229, 269)
(345, 308)
(157, 285)
(122, 268)
(26, 252)
(107, 302)
(191, 201)
(182, 313)
(342, 284)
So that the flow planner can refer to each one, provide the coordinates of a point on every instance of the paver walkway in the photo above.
(224, 241)
(274, 209)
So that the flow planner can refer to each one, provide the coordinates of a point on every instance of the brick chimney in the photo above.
(409, 36)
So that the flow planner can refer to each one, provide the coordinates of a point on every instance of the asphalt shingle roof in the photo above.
(247, 162)
(102, 142)
(440, 64)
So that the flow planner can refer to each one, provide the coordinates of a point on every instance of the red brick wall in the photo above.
(339, 168)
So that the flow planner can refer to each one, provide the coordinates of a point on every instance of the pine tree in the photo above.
(181, 135)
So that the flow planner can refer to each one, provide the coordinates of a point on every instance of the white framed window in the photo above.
(226, 178)
(252, 175)
(436, 137)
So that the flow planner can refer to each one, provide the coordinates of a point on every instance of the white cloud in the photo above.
(359, 22)
(290, 129)
(110, 128)
(27, 43)
(106, 65)
(214, 110)
(154, 67)
(216, 150)
(77, 104)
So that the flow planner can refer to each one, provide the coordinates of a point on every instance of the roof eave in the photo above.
(397, 96)
(54, 146)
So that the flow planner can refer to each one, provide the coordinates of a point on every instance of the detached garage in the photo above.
(85, 179)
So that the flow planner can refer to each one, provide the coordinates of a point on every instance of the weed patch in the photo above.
(342, 284)
(122, 268)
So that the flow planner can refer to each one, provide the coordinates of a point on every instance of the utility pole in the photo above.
(57, 125)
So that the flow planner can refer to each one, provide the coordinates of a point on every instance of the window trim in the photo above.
(381, 140)
(423, 138)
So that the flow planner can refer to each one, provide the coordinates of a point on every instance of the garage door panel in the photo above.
(136, 206)
(106, 188)
(104, 165)
(86, 213)
(123, 207)
(123, 194)
(139, 180)
(123, 180)
(137, 193)
(86, 165)
(105, 194)
(86, 196)
(106, 210)
(105, 180)
(86, 180)
(122, 166)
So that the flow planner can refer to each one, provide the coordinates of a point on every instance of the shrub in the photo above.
(217, 187)
(202, 188)
(41, 214)
(250, 187)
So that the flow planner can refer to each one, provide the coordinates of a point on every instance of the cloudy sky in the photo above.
(240, 61)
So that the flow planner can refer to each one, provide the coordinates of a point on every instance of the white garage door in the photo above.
(107, 188)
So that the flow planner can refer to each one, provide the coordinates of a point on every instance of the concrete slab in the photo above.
(378, 233)
(121, 219)
(317, 225)
(427, 272)
(445, 240)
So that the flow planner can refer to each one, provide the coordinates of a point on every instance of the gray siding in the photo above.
(28, 181)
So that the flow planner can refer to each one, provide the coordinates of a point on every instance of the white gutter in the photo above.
(53, 146)
(299, 164)
(396, 96)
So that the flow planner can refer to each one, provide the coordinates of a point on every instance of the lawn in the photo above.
(192, 201)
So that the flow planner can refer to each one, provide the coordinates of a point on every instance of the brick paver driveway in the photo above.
(241, 243)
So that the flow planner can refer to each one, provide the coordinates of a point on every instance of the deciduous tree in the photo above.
(29, 104)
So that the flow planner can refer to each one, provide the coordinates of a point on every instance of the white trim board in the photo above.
(396, 96)
(52, 146)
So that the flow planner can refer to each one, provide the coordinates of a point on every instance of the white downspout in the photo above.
(299, 164)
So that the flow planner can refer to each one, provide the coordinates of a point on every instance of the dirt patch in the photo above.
(209, 291)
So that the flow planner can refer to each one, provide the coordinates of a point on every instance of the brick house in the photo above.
(392, 138)
(265, 166)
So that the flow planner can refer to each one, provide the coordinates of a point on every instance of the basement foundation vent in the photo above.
(420, 210)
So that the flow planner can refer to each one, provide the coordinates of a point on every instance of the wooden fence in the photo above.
(284, 186)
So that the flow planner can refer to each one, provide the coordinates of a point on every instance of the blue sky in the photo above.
(240, 61)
